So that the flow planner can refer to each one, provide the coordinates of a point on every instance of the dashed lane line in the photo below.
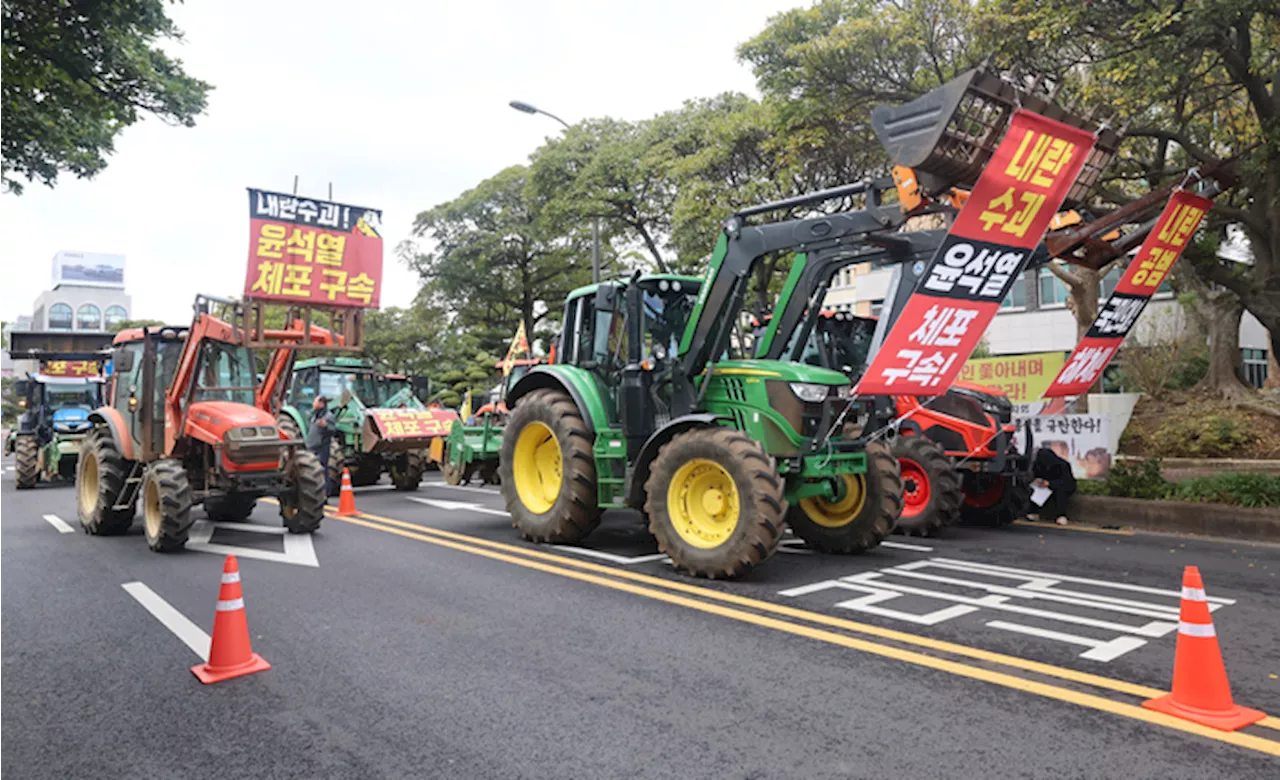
(1050, 691)
(59, 523)
(191, 635)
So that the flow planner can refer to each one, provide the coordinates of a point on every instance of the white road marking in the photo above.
(298, 548)
(604, 556)
(1082, 580)
(368, 488)
(453, 506)
(59, 523)
(190, 634)
(905, 546)
(490, 491)
(1099, 650)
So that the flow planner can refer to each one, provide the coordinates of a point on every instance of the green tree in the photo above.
(76, 74)
(499, 256)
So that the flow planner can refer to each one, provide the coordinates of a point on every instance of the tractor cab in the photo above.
(348, 383)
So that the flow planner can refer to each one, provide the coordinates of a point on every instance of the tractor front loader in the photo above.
(180, 428)
(56, 401)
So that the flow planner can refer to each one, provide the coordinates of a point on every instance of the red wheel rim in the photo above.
(915, 488)
(986, 496)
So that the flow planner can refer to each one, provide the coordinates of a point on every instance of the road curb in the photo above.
(1182, 517)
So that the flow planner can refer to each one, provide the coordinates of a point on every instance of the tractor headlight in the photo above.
(268, 432)
(251, 432)
(809, 392)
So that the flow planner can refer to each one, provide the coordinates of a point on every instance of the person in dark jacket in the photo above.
(1049, 470)
(319, 434)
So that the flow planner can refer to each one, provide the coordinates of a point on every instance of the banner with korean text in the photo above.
(70, 368)
(313, 252)
(1022, 378)
(1004, 218)
(1177, 224)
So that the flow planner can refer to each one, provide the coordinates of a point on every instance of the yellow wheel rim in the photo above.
(703, 503)
(151, 515)
(537, 467)
(88, 484)
(835, 514)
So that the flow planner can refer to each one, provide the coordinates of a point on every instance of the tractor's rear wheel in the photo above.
(548, 473)
(994, 499)
(302, 502)
(368, 472)
(229, 508)
(859, 519)
(288, 427)
(715, 502)
(407, 470)
(166, 505)
(26, 461)
(931, 493)
(101, 472)
(336, 464)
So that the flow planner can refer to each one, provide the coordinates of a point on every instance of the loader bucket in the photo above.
(401, 430)
(948, 135)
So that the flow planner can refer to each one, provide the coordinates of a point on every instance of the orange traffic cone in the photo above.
(230, 653)
(346, 497)
(1201, 692)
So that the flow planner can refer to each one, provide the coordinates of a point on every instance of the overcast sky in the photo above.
(401, 105)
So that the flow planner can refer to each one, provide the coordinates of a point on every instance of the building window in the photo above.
(1112, 279)
(1017, 297)
(1253, 366)
(115, 316)
(877, 306)
(89, 317)
(59, 317)
(1053, 291)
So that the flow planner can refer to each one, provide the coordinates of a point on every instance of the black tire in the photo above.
(407, 470)
(489, 474)
(574, 512)
(166, 505)
(368, 471)
(302, 503)
(994, 499)
(861, 520)
(26, 461)
(101, 472)
(931, 494)
(758, 525)
(336, 464)
(229, 508)
(288, 427)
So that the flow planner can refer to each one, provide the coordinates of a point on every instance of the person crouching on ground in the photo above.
(319, 435)
(1048, 470)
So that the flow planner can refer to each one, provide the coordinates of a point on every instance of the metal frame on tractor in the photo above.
(181, 428)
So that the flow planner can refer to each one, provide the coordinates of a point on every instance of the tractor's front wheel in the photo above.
(715, 502)
(862, 516)
(166, 505)
(101, 472)
(302, 502)
(548, 473)
(336, 464)
(26, 461)
(994, 499)
(931, 493)
(407, 470)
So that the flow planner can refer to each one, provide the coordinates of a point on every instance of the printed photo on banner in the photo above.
(313, 252)
(1083, 440)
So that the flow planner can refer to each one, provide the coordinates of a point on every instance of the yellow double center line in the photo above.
(671, 592)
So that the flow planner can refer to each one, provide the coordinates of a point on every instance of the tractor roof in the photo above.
(682, 278)
(345, 364)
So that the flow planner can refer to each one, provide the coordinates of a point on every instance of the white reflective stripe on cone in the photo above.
(1196, 629)
(1193, 594)
(229, 577)
(234, 604)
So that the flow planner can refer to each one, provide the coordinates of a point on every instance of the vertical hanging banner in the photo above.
(1177, 224)
(313, 252)
(1002, 221)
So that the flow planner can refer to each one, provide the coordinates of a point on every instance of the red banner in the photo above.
(1177, 224)
(69, 368)
(980, 259)
(313, 252)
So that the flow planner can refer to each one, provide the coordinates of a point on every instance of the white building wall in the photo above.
(75, 297)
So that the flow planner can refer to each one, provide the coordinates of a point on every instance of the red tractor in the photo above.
(181, 428)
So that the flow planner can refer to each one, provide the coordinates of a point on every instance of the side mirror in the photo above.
(606, 297)
(421, 387)
(122, 361)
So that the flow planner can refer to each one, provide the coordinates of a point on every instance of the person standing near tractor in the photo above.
(320, 434)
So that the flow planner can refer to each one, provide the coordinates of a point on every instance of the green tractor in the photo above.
(654, 403)
(474, 445)
(359, 396)
(57, 401)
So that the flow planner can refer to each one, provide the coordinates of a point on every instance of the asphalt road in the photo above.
(425, 639)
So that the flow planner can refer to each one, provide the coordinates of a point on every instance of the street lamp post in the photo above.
(595, 221)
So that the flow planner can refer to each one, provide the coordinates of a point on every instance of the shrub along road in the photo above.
(423, 638)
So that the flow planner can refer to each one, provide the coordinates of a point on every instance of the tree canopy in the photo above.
(77, 74)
